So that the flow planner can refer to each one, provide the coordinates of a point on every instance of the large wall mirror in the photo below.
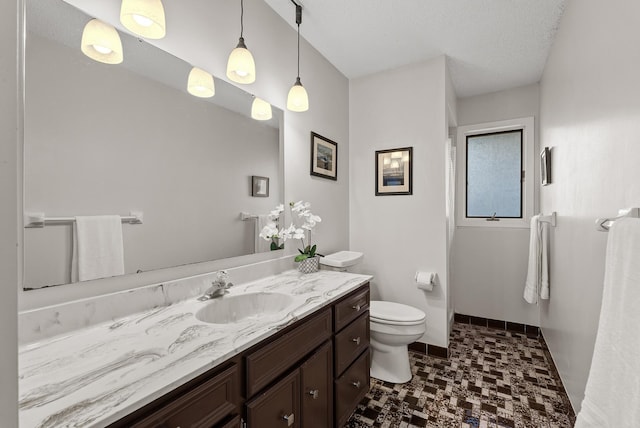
(112, 139)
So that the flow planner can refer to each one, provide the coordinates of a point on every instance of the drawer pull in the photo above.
(356, 340)
(356, 307)
(356, 384)
(290, 419)
(314, 393)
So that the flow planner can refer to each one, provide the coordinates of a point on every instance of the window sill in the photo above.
(501, 224)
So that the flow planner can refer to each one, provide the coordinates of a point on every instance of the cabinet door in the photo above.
(267, 363)
(317, 388)
(278, 406)
(204, 406)
(351, 387)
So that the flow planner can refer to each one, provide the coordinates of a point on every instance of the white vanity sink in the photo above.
(236, 308)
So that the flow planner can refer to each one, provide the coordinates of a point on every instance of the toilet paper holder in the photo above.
(425, 280)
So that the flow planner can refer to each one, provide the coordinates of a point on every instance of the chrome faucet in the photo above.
(218, 287)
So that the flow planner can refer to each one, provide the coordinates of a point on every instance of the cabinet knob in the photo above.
(356, 340)
(289, 418)
(314, 393)
(356, 307)
(356, 384)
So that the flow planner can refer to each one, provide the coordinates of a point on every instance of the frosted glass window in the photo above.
(494, 175)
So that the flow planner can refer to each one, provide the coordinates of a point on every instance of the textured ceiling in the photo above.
(491, 44)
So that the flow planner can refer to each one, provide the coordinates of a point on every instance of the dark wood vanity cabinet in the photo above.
(303, 398)
(279, 406)
(311, 374)
(317, 388)
(334, 377)
(351, 353)
(211, 400)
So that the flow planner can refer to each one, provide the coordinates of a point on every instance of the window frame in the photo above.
(526, 124)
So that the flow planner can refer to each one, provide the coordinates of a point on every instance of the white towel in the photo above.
(612, 395)
(261, 245)
(98, 251)
(537, 282)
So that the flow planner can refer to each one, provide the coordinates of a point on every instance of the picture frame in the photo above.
(324, 157)
(545, 166)
(394, 171)
(259, 186)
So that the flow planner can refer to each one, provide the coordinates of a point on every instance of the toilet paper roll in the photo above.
(425, 280)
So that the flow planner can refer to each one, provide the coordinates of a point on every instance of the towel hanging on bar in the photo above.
(603, 224)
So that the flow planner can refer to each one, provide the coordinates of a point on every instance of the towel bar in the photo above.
(551, 219)
(603, 224)
(246, 216)
(32, 220)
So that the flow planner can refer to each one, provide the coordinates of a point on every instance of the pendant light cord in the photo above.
(298, 51)
(298, 21)
(241, 17)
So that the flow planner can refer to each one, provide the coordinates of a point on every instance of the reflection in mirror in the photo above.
(105, 139)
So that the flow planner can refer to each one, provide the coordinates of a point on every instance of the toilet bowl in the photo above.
(393, 327)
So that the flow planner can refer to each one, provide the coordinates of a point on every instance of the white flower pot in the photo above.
(309, 265)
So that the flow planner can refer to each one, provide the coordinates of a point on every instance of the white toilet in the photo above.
(393, 327)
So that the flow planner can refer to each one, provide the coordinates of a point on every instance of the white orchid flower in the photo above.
(314, 218)
(298, 234)
(274, 215)
(296, 206)
(299, 206)
(310, 220)
(269, 231)
(284, 234)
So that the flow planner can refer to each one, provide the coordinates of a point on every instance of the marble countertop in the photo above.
(96, 375)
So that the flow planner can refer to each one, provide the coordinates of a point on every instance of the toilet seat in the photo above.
(392, 313)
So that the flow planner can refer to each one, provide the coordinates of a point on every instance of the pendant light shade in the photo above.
(144, 18)
(298, 100)
(260, 109)
(200, 83)
(101, 42)
(241, 68)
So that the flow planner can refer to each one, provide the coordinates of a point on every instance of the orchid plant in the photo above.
(309, 221)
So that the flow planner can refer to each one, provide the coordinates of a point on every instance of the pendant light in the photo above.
(241, 68)
(200, 83)
(144, 18)
(298, 100)
(101, 42)
(260, 109)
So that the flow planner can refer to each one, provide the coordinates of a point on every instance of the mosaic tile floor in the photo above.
(493, 378)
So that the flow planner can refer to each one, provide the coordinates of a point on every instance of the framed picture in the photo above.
(394, 171)
(324, 157)
(259, 186)
(545, 166)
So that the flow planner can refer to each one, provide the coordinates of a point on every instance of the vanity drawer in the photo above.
(279, 406)
(206, 405)
(351, 387)
(270, 361)
(350, 342)
(350, 308)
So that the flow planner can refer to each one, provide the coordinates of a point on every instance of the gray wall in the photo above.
(402, 234)
(489, 265)
(101, 139)
(590, 111)
(9, 208)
